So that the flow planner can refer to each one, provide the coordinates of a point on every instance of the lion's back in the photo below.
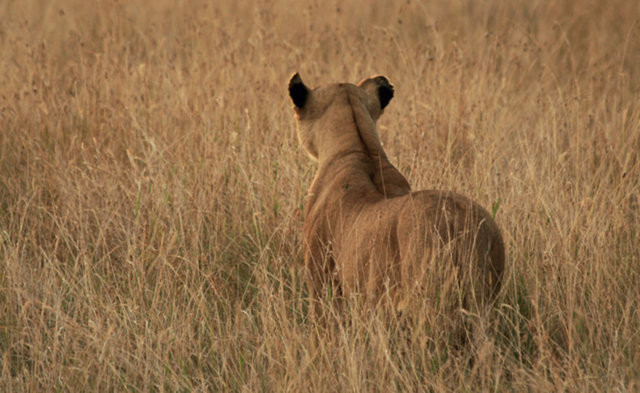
(441, 225)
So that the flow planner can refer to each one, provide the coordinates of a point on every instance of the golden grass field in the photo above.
(152, 192)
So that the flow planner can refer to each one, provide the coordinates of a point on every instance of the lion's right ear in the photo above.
(378, 86)
(385, 91)
(298, 91)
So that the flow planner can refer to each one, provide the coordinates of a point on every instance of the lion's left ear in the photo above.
(298, 91)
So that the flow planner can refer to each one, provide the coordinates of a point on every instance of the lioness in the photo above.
(364, 230)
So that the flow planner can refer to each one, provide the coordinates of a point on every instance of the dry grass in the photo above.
(151, 188)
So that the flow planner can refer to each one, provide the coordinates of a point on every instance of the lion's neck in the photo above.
(349, 163)
(348, 173)
(337, 138)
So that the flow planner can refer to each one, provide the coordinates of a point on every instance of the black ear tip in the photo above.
(298, 91)
(383, 81)
(385, 94)
(295, 78)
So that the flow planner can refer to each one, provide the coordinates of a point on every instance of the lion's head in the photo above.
(367, 99)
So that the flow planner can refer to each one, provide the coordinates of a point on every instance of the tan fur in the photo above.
(364, 230)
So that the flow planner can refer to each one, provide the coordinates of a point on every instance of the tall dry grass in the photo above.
(152, 188)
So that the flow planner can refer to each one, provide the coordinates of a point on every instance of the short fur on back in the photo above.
(364, 230)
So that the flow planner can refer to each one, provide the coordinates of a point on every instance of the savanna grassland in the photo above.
(152, 192)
